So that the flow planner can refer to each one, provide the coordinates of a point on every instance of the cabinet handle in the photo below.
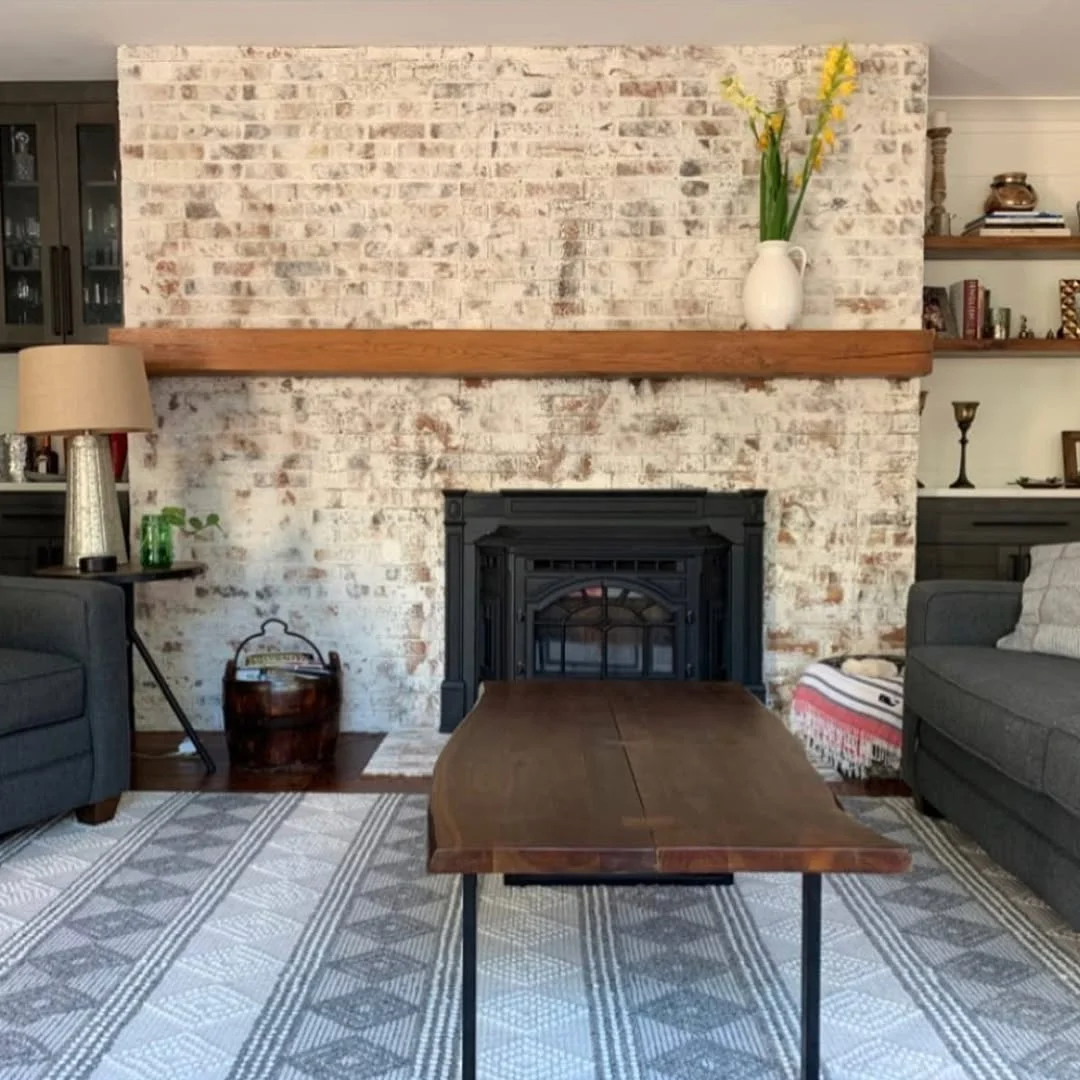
(69, 318)
(57, 291)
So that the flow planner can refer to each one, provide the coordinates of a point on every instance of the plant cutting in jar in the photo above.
(194, 527)
(781, 191)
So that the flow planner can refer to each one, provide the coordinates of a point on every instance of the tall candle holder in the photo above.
(964, 411)
(923, 395)
(937, 220)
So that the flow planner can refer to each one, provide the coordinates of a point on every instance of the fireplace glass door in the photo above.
(604, 630)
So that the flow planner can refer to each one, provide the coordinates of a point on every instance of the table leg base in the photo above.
(521, 880)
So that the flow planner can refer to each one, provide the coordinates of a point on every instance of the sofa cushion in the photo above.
(1062, 774)
(38, 688)
(1050, 619)
(1000, 706)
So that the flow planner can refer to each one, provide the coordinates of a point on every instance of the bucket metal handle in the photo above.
(261, 632)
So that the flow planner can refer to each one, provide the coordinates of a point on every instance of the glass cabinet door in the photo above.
(90, 207)
(29, 228)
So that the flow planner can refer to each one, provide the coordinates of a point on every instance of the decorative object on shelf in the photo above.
(86, 391)
(1029, 484)
(938, 221)
(1010, 191)
(1025, 331)
(1051, 335)
(23, 163)
(15, 453)
(1070, 452)
(968, 300)
(282, 709)
(155, 542)
(1000, 323)
(46, 459)
(937, 312)
(964, 411)
(772, 292)
(1069, 293)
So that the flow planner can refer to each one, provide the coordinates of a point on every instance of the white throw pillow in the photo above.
(1050, 618)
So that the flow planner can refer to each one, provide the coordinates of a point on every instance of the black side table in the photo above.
(126, 577)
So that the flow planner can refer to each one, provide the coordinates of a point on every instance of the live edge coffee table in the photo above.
(638, 783)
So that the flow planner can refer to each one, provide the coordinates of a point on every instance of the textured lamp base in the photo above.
(92, 524)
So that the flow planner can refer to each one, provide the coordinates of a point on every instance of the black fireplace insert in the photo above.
(601, 585)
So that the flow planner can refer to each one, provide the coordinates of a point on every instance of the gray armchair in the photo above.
(64, 719)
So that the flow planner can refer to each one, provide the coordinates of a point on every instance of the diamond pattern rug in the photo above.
(241, 937)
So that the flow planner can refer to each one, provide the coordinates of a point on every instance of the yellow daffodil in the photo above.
(838, 81)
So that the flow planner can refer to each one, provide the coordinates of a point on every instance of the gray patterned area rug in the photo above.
(205, 937)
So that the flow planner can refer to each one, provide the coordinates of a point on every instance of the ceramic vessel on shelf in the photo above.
(1010, 191)
(773, 290)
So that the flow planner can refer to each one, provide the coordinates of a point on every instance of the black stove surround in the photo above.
(601, 584)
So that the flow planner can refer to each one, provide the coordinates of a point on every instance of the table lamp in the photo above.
(85, 392)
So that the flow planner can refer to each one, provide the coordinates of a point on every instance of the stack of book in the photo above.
(1018, 223)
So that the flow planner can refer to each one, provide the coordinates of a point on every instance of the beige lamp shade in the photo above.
(70, 389)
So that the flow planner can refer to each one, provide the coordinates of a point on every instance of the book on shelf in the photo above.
(1064, 230)
(967, 301)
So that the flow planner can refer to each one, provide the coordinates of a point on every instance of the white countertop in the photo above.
(34, 485)
(999, 493)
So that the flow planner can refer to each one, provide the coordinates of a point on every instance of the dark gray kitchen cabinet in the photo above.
(61, 276)
(988, 539)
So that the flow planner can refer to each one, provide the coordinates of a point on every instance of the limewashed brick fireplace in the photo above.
(570, 188)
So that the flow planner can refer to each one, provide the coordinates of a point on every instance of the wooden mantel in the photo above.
(526, 354)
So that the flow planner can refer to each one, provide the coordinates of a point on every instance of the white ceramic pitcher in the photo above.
(773, 290)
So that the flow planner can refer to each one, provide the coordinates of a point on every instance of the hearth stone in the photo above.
(601, 584)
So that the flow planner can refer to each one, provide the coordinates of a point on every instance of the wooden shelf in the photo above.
(1046, 346)
(530, 354)
(1001, 247)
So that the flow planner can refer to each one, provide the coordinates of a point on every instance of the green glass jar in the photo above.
(155, 542)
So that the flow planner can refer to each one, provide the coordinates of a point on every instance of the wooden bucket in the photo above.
(286, 720)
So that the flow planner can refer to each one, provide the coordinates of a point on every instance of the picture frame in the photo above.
(1070, 453)
(1069, 295)
(937, 312)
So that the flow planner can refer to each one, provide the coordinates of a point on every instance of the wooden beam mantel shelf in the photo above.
(529, 354)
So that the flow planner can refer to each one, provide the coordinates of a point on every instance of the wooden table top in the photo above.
(128, 573)
(636, 777)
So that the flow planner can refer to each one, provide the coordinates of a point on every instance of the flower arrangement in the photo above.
(778, 184)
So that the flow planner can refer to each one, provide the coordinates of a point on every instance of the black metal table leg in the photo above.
(468, 977)
(129, 629)
(170, 697)
(811, 977)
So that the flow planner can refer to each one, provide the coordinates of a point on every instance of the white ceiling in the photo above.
(979, 48)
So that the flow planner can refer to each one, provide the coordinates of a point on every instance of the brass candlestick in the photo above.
(923, 395)
(964, 411)
(937, 221)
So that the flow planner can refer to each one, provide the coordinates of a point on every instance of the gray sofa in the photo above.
(992, 737)
(64, 735)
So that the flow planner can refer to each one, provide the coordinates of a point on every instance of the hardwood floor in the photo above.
(156, 767)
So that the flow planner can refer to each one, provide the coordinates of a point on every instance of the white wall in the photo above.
(1026, 401)
(9, 366)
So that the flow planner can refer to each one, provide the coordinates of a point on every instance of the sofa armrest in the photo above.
(961, 612)
(85, 621)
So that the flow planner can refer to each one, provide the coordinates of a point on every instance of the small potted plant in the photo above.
(156, 533)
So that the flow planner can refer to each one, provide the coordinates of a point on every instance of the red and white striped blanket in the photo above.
(852, 722)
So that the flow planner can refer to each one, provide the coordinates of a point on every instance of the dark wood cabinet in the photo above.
(32, 529)
(61, 276)
(988, 539)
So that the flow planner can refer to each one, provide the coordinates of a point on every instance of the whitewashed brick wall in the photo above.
(523, 188)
